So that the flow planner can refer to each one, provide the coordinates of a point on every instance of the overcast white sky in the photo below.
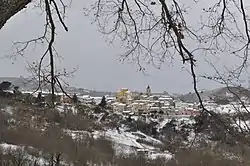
(84, 47)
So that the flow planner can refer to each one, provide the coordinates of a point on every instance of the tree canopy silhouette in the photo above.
(103, 102)
(5, 85)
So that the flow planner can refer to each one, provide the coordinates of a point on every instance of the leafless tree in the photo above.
(42, 76)
(52, 9)
(156, 31)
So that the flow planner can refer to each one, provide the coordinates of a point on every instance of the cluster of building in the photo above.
(147, 103)
(128, 102)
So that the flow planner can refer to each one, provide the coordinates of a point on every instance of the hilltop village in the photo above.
(130, 103)
(145, 103)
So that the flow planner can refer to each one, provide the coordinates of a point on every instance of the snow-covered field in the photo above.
(126, 143)
(229, 108)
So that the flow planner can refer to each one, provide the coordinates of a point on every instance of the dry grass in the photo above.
(57, 146)
(100, 151)
(53, 141)
(13, 158)
(205, 157)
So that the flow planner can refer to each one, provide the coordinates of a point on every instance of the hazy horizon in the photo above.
(9, 78)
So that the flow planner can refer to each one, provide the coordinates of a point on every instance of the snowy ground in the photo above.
(179, 120)
(15, 148)
(125, 143)
(66, 108)
(229, 108)
(244, 125)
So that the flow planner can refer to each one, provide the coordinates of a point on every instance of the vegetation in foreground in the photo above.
(37, 136)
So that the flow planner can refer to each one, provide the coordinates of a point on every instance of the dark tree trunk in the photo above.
(9, 8)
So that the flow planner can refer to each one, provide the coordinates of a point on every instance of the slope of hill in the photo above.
(222, 93)
(29, 85)
(21, 82)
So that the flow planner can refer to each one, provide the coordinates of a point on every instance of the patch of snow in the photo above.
(100, 117)
(6, 146)
(65, 107)
(123, 150)
(179, 120)
(163, 123)
(76, 134)
(125, 142)
(9, 147)
(243, 125)
(60, 108)
(156, 155)
(228, 108)
(8, 110)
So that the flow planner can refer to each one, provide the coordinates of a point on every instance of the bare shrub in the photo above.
(75, 122)
(149, 143)
(194, 157)
(91, 150)
(136, 161)
(56, 146)
(14, 157)
(53, 142)
(41, 117)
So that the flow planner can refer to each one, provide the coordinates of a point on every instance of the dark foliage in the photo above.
(103, 102)
(5, 85)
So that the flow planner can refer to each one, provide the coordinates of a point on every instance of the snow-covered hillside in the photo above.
(126, 143)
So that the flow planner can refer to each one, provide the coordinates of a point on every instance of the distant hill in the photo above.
(28, 85)
(222, 93)
(23, 83)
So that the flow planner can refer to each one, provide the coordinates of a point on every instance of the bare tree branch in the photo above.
(51, 9)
